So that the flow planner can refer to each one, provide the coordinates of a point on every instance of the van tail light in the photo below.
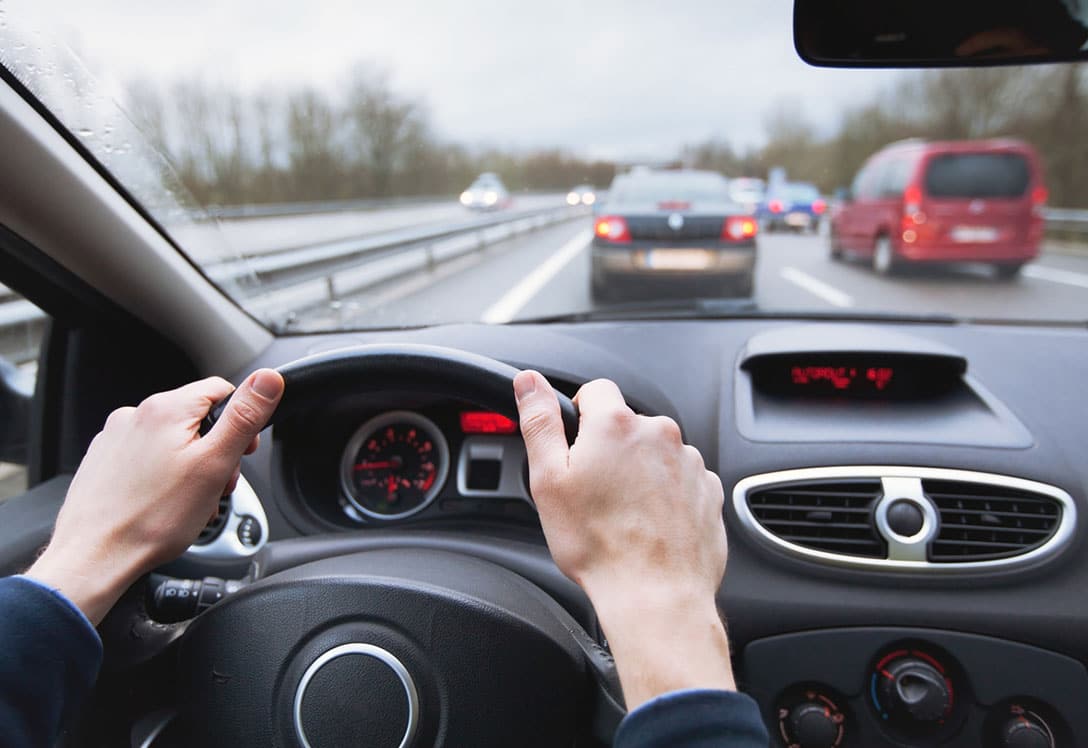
(912, 200)
(612, 229)
(819, 207)
(775, 206)
(739, 229)
(1039, 196)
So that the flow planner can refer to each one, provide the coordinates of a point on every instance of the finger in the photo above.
(253, 445)
(541, 424)
(246, 414)
(600, 401)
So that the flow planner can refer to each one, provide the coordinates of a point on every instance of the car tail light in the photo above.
(738, 228)
(912, 200)
(612, 228)
(818, 207)
(775, 206)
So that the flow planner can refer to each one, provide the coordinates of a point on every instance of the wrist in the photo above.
(92, 581)
(665, 641)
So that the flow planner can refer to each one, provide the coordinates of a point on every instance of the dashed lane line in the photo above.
(514, 300)
(816, 287)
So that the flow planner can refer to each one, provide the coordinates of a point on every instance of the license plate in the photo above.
(798, 219)
(679, 259)
(973, 234)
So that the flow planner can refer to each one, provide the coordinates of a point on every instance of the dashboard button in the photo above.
(249, 531)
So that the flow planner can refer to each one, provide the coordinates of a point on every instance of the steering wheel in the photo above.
(392, 647)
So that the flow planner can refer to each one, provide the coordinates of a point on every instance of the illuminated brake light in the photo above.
(612, 228)
(818, 207)
(483, 422)
(1039, 195)
(775, 206)
(912, 200)
(739, 228)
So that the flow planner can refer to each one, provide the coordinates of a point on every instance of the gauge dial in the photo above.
(394, 465)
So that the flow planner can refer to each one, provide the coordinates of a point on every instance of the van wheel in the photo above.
(1006, 271)
(884, 261)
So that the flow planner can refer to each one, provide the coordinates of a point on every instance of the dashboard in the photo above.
(905, 503)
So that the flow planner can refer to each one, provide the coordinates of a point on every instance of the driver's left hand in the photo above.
(147, 486)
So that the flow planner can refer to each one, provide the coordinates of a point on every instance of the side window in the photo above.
(22, 326)
(868, 181)
(896, 177)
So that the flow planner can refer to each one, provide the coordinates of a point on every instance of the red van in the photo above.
(954, 201)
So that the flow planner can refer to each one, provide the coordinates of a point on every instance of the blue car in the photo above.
(795, 205)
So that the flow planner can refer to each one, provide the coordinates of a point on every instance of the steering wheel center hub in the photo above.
(356, 694)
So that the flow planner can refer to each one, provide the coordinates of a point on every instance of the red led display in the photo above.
(843, 378)
(483, 422)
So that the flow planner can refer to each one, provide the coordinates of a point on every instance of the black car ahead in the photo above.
(665, 233)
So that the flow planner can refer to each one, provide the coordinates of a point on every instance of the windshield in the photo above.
(339, 165)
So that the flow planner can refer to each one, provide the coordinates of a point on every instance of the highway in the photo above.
(547, 273)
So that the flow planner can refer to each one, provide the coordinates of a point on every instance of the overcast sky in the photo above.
(607, 78)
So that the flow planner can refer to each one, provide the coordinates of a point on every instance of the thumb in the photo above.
(247, 412)
(541, 424)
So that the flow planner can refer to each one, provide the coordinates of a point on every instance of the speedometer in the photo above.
(394, 465)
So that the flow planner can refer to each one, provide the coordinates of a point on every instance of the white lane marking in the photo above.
(830, 294)
(1054, 275)
(514, 300)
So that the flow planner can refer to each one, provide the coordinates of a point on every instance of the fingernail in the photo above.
(267, 383)
(524, 385)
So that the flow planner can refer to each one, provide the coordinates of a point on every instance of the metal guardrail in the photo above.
(290, 281)
(1065, 223)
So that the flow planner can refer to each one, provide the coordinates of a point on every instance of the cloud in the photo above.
(611, 78)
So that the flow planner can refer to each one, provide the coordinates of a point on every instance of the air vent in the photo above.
(212, 529)
(836, 517)
(906, 518)
(981, 522)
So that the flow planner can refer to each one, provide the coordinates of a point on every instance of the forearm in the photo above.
(665, 644)
(92, 579)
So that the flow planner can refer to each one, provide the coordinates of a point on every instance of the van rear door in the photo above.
(979, 198)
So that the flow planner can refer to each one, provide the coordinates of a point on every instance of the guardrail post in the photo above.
(429, 254)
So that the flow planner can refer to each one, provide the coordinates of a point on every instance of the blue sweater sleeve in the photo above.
(694, 719)
(49, 659)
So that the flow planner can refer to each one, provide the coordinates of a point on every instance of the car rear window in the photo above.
(802, 193)
(684, 188)
(977, 175)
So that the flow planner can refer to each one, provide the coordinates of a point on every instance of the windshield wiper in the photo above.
(725, 308)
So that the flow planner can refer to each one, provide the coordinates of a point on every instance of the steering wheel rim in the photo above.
(403, 366)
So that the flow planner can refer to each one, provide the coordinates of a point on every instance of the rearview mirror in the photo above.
(938, 33)
(15, 399)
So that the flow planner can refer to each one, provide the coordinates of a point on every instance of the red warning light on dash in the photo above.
(482, 422)
(843, 377)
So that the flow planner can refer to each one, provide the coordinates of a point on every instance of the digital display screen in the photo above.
(843, 378)
(885, 376)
